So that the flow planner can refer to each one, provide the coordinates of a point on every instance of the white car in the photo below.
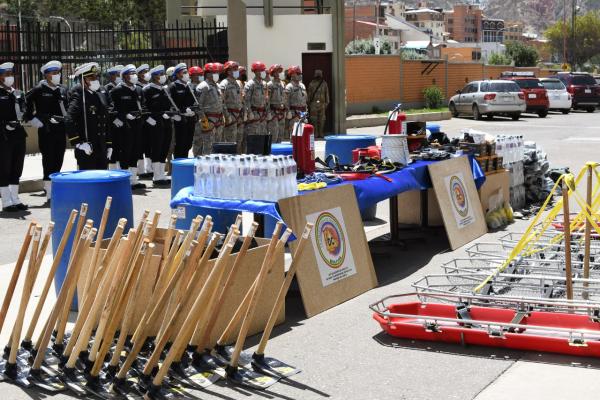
(490, 98)
(560, 98)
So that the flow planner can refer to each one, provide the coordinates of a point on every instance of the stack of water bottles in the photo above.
(245, 177)
(512, 151)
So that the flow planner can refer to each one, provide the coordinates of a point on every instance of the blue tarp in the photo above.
(369, 191)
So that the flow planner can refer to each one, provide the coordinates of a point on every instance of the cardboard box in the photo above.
(495, 184)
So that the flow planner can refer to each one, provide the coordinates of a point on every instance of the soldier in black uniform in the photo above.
(113, 75)
(127, 122)
(12, 140)
(46, 108)
(86, 120)
(158, 123)
(144, 164)
(184, 99)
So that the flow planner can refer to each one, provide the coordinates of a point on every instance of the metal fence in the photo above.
(34, 43)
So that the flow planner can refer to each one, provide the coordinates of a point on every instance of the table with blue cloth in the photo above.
(368, 191)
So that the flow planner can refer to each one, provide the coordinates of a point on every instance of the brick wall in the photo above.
(380, 82)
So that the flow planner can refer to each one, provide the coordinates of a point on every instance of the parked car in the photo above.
(536, 96)
(560, 99)
(584, 90)
(490, 98)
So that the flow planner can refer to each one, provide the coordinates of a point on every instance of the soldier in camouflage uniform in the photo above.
(318, 100)
(233, 131)
(210, 111)
(255, 101)
(277, 111)
(295, 93)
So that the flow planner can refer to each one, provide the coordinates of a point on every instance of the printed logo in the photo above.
(330, 240)
(458, 196)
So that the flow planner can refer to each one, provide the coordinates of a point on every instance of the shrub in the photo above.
(434, 98)
(499, 59)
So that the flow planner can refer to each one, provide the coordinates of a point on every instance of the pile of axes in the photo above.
(163, 349)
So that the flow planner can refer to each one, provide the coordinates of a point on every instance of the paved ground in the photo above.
(342, 351)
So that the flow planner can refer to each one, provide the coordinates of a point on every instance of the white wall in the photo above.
(249, 3)
(287, 39)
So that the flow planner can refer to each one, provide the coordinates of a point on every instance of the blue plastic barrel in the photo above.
(281, 149)
(433, 128)
(342, 145)
(182, 175)
(70, 189)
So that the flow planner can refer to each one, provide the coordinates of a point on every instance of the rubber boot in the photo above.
(48, 189)
(7, 202)
(14, 193)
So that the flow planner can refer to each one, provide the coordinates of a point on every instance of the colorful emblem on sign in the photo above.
(458, 195)
(330, 240)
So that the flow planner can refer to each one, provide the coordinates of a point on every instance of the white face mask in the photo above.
(200, 79)
(9, 81)
(55, 79)
(133, 79)
(118, 80)
(185, 78)
(147, 76)
(162, 79)
(263, 74)
(94, 85)
(281, 76)
(236, 74)
(215, 77)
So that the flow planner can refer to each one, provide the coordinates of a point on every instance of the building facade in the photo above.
(429, 20)
(514, 31)
(464, 22)
(492, 30)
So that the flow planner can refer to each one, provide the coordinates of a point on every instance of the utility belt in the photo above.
(262, 114)
(237, 116)
(298, 108)
(215, 118)
(278, 112)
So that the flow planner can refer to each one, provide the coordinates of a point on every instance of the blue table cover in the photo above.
(369, 191)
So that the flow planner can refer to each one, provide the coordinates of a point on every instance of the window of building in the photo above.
(476, 55)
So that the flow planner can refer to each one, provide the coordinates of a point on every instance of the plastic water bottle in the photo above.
(263, 192)
(293, 175)
(201, 173)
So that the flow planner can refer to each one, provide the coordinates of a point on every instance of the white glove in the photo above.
(130, 117)
(177, 117)
(118, 123)
(36, 123)
(151, 121)
(85, 147)
(9, 128)
(165, 116)
(189, 112)
(288, 115)
(53, 121)
(109, 152)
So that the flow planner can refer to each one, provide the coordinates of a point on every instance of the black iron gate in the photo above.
(32, 44)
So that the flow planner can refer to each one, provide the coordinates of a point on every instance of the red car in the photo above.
(536, 96)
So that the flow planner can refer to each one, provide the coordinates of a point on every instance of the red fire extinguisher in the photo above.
(396, 122)
(303, 145)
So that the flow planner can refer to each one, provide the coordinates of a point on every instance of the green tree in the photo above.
(94, 11)
(587, 38)
(499, 59)
(366, 46)
(522, 54)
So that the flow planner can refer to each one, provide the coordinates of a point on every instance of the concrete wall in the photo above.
(404, 81)
(250, 4)
(287, 39)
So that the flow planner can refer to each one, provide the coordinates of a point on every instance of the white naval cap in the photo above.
(179, 67)
(6, 67)
(142, 67)
(170, 71)
(159, 69)
(87, 69)
(115, 69)
(51, 66)
(128, 69)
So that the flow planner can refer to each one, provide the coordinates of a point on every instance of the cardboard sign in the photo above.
(338, 265)
(459, 201)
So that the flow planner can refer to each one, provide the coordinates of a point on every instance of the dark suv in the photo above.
(583, 88)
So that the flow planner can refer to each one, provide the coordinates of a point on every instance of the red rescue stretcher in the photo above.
(566, 327)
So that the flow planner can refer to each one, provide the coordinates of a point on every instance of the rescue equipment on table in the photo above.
(363, 169)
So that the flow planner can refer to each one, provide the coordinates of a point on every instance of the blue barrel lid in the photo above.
(350, 137)
(183, 161)
(433, 128)
(91, 176)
